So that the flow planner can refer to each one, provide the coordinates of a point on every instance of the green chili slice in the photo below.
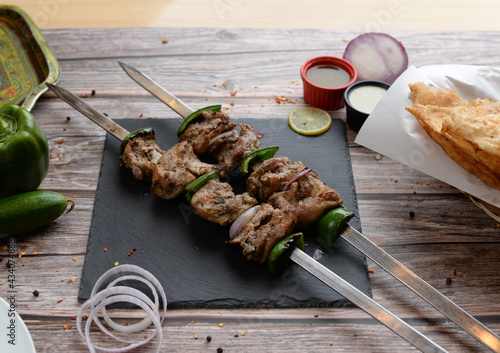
(193, 116)
(332, 224)
(255, 156)
(282, 251)
(135, 134)
(198, 183)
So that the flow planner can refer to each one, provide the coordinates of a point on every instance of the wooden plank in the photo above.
(447, 237)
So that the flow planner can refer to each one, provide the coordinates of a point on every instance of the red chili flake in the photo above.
(64, 129)
(130, 252)
(60, 141)
(23, 246)
(69, 281)
(84, 95)
(371, 271)
(60, 300)
(233, 93)
(106, 249)
(73, 317)
(231, 104)
(140, 116)
(135, 249)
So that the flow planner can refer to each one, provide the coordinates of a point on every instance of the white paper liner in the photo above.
(394, 132)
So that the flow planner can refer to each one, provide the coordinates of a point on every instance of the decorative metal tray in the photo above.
(26, 61)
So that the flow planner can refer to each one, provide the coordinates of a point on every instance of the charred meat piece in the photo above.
(230, 150)
(178, 167)
(264, 230)
(199, 134)
(309, 196)
(138, 156)
(217, 203)
(271, 176)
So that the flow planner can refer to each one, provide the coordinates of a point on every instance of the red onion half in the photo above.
(377, 56)
(115, 294)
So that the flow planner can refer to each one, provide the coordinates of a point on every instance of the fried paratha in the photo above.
(468, 131)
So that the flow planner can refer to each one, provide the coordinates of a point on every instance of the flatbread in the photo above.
(468, 131)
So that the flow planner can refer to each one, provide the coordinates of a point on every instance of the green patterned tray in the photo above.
(26, 61)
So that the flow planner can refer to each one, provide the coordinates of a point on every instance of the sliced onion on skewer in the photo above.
(222, 135)
(115, 294)
(377, 56)
(240, 222)
(297, 176)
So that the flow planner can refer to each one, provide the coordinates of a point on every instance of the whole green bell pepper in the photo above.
(24, 151)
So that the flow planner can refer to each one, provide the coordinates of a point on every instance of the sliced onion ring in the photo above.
(222, 135)
(98, 301)
(240, 222)
(297, 176)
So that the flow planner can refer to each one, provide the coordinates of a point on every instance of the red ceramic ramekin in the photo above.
(321, 97)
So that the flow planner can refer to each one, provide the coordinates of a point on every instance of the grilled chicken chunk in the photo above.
(199, 134)
(178, 167)
(216, 202)
(230, 150)
(264, 230)
(138, 156)
(271, 176)
(310, 197)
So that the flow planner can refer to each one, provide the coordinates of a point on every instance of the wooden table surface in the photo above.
(448, 237)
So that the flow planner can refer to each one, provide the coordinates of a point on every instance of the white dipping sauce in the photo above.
(365, 98)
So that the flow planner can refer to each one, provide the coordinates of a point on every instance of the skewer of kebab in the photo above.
(321, 272)
(352, 236)
(312, 266)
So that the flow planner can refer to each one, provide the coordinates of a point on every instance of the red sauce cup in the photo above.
(322, 97)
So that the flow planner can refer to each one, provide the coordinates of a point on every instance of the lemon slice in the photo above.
(309, 120)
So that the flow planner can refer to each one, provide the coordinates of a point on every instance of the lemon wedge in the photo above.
(309, 120)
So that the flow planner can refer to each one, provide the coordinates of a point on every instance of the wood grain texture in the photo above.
(245, 70)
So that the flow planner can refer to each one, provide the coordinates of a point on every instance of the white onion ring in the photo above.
(114, 294)
(223, 134)
(240, 222)
(140, 325)
(297, 176)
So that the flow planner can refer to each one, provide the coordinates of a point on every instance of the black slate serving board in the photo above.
(189, 255)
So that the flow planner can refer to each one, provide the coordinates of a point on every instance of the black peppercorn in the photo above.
(209, 338)
(36, 293)
(220, 350)
(449, 280)
(412, 214)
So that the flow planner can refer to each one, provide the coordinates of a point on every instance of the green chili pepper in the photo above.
(255, 156)
(193, 116)
(282, 251)
(135, 134)
(332, 224)
(24, 151)
(198, 183)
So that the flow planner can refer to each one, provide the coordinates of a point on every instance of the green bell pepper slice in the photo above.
(24, 151)
(135, 134)
(193, 116)
(259, 155)
(196, 185)
(282, 251)
(332, 224)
